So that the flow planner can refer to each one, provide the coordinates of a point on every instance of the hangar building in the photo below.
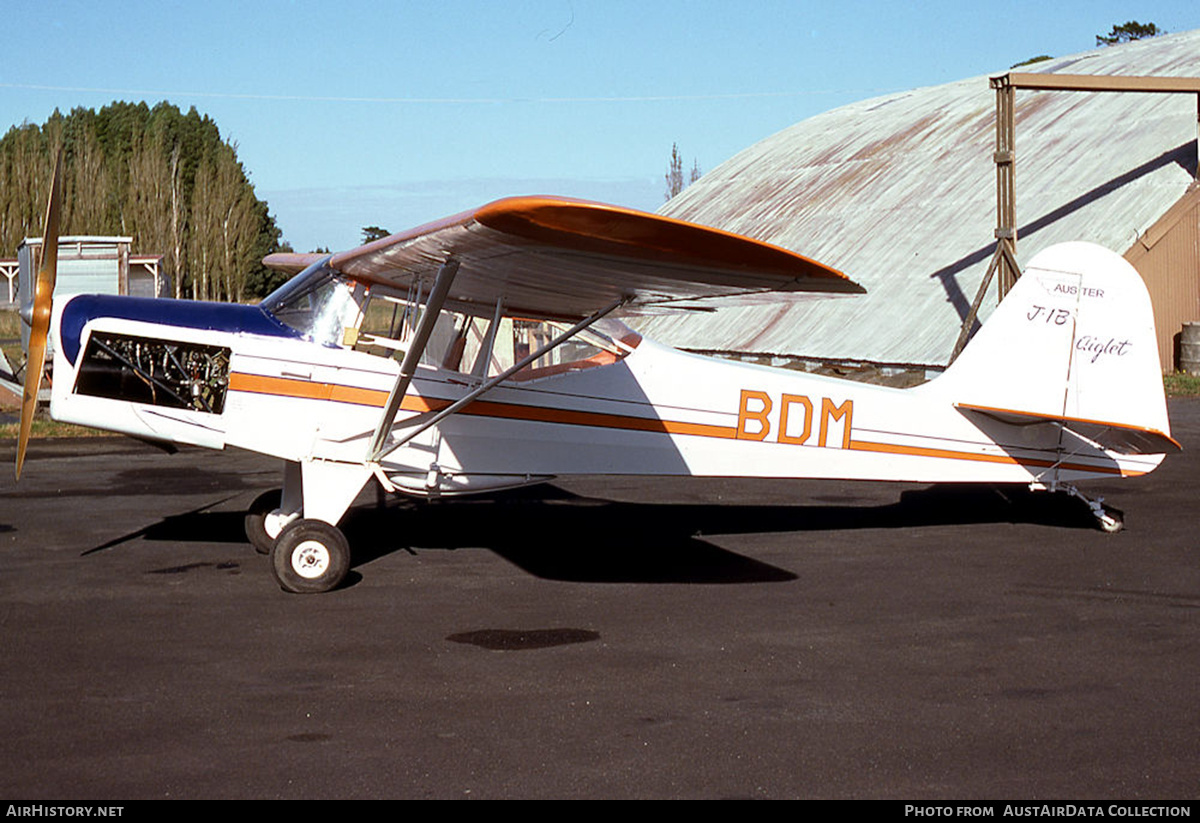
(900, 193)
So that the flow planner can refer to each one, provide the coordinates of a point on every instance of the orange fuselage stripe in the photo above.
(947, 454)
(293, 387)
(290, 387)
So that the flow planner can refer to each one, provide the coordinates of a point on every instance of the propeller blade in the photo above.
(43, 295)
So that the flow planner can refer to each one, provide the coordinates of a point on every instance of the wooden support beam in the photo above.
(1004, 261)
(1099, 82)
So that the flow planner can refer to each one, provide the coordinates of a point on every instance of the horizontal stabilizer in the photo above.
(1118, 437)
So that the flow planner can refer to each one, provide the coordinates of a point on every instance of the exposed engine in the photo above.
(157, 372)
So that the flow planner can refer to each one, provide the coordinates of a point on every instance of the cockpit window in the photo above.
(319, 303)
(333, 310)
(606, 342)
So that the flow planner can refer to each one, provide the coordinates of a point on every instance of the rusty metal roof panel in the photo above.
(899, 193)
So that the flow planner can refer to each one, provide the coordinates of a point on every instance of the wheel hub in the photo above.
(310, 559)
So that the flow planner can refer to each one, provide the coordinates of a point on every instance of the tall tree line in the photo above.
(165, 178)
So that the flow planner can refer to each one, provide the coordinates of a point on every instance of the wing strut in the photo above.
(489, 344)
(488, 385)
(412, 357)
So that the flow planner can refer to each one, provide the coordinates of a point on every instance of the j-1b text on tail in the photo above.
(480, 352)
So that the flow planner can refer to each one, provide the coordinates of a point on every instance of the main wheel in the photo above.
(256, 516)
(310, 556)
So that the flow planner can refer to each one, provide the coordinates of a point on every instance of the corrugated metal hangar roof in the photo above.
(899, 192)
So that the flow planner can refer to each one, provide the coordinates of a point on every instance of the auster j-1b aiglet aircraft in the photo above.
(474, 354)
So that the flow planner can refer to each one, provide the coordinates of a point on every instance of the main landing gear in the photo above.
(296, 524)
(307, 556)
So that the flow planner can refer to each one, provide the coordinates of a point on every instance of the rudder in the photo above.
(1073, 341)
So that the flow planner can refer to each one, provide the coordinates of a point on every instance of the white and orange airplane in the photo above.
(476, 353)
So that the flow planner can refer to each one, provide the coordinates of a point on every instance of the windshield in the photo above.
(319, 303)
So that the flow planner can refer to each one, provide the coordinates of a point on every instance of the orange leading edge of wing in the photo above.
(605, 229)
(598, 228)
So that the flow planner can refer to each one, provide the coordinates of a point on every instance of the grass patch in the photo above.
(10, 337)
(14, 354)
(1182, 384)
(44, 428)
(10, 324)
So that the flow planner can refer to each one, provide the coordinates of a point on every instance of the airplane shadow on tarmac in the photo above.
(554, 534)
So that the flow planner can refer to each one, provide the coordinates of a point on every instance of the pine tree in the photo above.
(1131, 30)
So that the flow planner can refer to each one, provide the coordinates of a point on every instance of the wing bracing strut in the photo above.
(408, 368)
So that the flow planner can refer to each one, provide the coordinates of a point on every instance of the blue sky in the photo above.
(395, 113)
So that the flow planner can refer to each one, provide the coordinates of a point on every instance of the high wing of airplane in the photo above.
(478, 353)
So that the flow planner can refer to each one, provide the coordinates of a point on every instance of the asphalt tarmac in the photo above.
(599, 638)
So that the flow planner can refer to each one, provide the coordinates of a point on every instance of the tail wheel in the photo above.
(257, 533)
(310, 556)
(1110, 521)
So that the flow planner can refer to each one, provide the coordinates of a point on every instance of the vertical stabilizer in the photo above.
(1073, 341)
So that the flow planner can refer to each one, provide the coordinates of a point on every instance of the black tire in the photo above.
(256, 530)
(310, 556)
